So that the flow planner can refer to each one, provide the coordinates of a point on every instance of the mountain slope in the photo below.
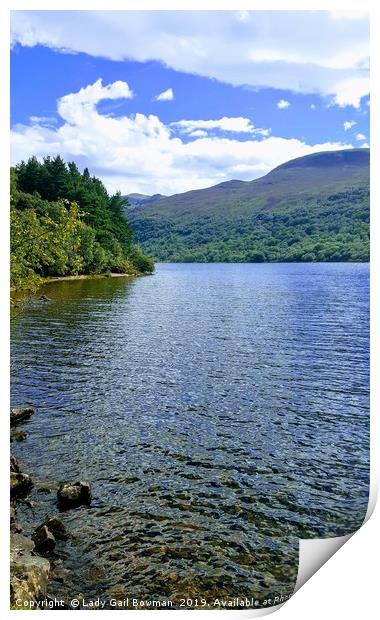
(311, 208)
(139, 200)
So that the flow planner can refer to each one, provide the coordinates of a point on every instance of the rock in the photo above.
(60, 574)
(13, 514)
(20, 544)
(43, 539)
(15, 467)
(29, 577)
(44, 489)
(56, 527)
(18, 436)
(70, 495)
(21, 414)
(20, 484)
(29, 573)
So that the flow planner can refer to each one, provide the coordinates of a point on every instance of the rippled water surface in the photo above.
(219, 411)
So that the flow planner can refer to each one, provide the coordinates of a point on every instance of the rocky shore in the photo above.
(34, 561)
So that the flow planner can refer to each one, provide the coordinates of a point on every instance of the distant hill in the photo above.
(311, 208)
(138, 200)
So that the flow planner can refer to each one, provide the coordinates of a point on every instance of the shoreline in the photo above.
(90, 276)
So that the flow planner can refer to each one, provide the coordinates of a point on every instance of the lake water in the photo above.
(220, 412)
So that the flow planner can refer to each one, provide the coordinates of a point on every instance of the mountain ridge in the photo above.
(321, 198)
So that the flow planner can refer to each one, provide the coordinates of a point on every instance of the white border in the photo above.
(347, 585)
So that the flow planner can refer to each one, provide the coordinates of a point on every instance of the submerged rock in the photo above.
(14, 465)
(70, 495)
(43, 539)
(20, 414)
(56, 527)
(60, 574)
(18, 436)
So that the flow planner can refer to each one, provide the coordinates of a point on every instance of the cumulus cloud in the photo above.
(79, 106)
(140, 153)
(283, 104)
(350, 91)
(167, 95)
(302, 51)
(360, 137)
(348, 125)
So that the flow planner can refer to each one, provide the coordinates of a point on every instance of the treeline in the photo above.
(64, 222)
(332, 229)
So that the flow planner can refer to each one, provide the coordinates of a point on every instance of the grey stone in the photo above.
(43, 539)
(70, 495)
(29, 577)
(56, 527)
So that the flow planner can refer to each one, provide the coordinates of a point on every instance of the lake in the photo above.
(219, 411)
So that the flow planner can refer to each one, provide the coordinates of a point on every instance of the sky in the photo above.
(170, 101)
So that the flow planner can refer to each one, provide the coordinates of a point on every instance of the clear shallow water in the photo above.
(219, 411)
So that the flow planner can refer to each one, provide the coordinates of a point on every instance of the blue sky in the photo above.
(157, 103)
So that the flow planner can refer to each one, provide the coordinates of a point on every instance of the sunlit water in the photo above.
(220, 412)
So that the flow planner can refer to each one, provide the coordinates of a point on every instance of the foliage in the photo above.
(300, 213)
(65, 223)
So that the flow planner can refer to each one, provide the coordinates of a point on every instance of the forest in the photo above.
(64, 222)
(333, 228)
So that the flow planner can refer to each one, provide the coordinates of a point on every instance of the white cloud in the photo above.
(198, 133)
(348, 125)
(283, 104)
(360, 137)
(236, 124)
(141, 154)
(313, 106)
(167, 95)
(302, 51)
(43, 120)
(350, 92)
(365, 145)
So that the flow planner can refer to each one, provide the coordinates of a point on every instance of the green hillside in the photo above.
(314, 208)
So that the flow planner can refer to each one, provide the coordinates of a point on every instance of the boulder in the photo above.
(20, 545)
(43, 539)
(29, 577)
(20, 484)
(29, 573)
(56, 527)
(70, 495)
(21, 414)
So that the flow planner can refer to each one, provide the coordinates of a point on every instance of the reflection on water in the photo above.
(219, 411)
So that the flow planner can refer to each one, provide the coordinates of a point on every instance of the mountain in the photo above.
(313, 208)
(138, 200)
